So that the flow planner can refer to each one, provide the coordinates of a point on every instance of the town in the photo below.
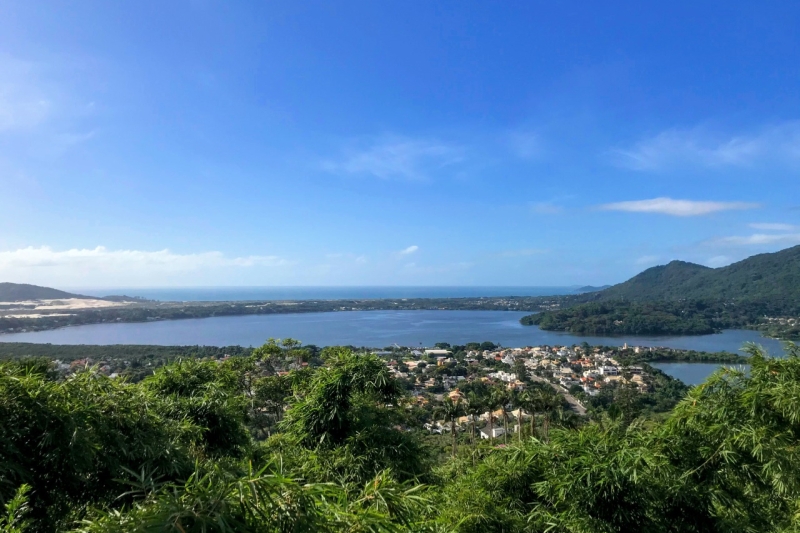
(574, 373)
(563, 384)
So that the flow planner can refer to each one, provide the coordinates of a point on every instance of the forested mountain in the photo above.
(683, 298)
(19, 292)
(760, 277)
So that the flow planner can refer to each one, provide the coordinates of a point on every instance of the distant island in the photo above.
(761, 292)
(591, 288)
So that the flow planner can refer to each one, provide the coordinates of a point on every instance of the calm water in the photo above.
(209, 294)
(691, 373)
(366, 328)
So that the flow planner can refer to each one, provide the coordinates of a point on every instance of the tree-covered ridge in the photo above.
(765, 277)
(670, 317)
(183, 451)
(762, 292)
(625, 318)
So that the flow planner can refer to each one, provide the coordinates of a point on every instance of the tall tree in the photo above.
(451, 409)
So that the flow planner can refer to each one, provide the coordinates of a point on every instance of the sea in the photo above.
(217, 294)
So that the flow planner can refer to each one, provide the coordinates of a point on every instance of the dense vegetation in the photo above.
(132, 352)
(668, 317)
(236, 446)
(625, 318)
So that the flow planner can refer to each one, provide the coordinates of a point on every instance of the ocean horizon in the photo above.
(197, 294)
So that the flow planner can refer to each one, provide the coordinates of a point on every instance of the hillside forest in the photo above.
(260, 442)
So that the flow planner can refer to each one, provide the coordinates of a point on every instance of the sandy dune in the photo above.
(70, 304)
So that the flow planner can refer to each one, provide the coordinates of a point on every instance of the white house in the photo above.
(496, 432)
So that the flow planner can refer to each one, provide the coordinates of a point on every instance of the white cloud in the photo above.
(408, 251)
(757, 239)
(87, 266)
(398, 158)
(701, 147)
(773, 227)
(679, 208)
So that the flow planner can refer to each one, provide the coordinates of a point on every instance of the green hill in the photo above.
(683, 298)
(774, 276)
(19, 292)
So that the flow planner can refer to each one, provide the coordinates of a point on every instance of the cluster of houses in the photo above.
(591, 369)
(563, 367)
(103, 367)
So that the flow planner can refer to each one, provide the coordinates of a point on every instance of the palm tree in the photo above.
(451, 409)
(493, 401)
(506, 408)
(501, 398)
(550, 402)
(474, 407)
(516, 399)
(530, 401)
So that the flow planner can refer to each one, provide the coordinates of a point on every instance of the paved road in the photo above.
(572, 400)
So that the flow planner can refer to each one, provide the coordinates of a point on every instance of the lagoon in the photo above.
(692, 373)
(369, 328)
(382, 329)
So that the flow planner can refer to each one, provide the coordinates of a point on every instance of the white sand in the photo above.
(67, 304)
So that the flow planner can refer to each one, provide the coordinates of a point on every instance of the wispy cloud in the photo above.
(359, 259)
(774, 227)
(647, 260)
(702, 147)
(718, 261)
(546, 208)
(525, 252)
(23, 105)
(758, 239)
(102, 258)
(398, 158)
(408, 251)
(525, 144)
(678, 208)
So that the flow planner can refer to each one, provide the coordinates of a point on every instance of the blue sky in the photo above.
(393, 143)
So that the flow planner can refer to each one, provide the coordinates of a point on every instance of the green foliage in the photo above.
(13, 521)
(70, 441)
(347, 414)
(220, 500)
(208, 396)
(172, 453)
